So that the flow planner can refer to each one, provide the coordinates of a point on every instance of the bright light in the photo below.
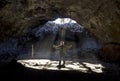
(64, 21)
(94, 67)
(52, 65)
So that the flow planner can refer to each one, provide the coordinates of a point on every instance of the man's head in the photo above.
(61, 42)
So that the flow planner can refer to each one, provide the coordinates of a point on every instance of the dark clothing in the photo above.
(62, 52)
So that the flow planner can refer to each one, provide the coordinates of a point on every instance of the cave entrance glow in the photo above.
(64, 21)
(80, 56)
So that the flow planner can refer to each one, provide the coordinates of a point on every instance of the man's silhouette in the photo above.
(62, 51)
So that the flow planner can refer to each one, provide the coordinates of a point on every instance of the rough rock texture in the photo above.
(100, 17)
(111, 51)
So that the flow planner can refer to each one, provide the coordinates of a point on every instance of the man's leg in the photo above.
(60, 61)
(59, 66)
(63, 60)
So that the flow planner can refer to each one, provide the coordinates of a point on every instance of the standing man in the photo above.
(62, 52)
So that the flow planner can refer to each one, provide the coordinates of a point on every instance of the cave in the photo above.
(42, 39)
(59, 40)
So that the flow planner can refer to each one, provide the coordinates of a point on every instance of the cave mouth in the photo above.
(80, 57)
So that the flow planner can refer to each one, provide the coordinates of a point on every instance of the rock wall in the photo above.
(111, 51)
(100, 17)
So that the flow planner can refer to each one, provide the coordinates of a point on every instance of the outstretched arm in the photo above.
(56, 47)
(70, 46)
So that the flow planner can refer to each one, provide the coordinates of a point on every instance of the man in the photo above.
(62, 51)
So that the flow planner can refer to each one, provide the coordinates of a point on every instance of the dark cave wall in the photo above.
(100, 17)
(111, 52)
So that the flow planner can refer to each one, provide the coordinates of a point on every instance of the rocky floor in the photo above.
(85, 67)
(70, 65)
(82, 69)
(14, 71)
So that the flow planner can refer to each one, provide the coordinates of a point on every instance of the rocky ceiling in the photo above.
(100, 17)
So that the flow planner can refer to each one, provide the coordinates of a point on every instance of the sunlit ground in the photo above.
(52, 65)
